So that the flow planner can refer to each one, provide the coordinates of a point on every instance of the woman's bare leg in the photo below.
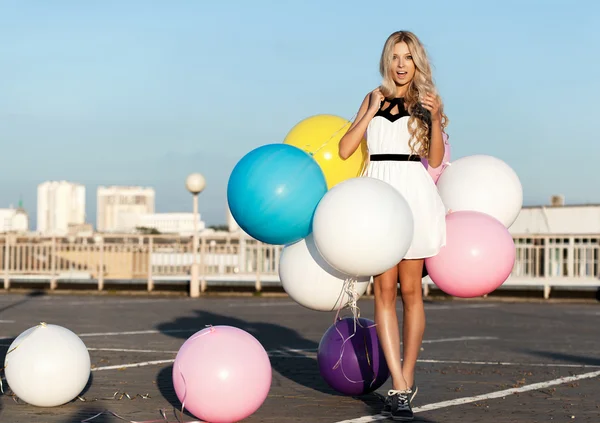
(410, 272)
(386, 319)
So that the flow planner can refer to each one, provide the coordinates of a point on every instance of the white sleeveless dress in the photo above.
(387, 133)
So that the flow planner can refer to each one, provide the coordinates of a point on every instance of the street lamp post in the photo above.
(195, 184)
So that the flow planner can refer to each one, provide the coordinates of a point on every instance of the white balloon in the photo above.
(47, 365)
(482, 183)
(363, 226)
(310, 281)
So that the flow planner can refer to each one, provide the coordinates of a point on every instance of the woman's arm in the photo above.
(436, 143)
(351, 139)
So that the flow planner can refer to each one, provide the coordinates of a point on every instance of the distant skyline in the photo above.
(143, 93)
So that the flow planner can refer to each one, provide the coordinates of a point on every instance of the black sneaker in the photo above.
(414, 390)
(389, 400)
(387, 405)
(400, 405)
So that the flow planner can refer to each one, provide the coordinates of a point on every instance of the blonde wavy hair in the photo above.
(421, 84)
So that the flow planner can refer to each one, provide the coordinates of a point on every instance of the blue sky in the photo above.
(145, 92)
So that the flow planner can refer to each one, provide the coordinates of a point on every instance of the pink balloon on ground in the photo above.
(436, 172)
(478, 257)
(222, 374)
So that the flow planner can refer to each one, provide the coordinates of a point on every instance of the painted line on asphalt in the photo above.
(130, 350)
(461, 338)
(484, 397)
(263, 304)
(501, 363)
(138, 332)
(119, 302)
(311, 353)
(429, 307)
(584, 313)
(133, 332)
(132, 365)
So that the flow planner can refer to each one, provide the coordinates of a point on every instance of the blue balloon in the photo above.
(273, 192)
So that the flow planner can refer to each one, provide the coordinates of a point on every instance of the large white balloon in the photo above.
(482, 183)
(310, 281)
(363, 226)
(47, 365)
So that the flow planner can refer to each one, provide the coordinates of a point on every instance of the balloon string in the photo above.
(162, 412)
(194, 337)
(322, 146)
(116, 396)
(350, 290)
(111, 413)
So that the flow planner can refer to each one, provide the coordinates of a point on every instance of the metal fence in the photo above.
(234, 259)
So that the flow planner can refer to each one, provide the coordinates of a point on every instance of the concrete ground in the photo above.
(482, 361)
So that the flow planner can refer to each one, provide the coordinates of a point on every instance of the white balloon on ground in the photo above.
(482, 183)
(310, 281)
(363, 226)
(47, 366)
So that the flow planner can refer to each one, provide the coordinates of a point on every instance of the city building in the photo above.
(14, 220)
(558, 218)
(558, 240)
(60, 204)
(165, 223)
(117, 201)
(81, 230)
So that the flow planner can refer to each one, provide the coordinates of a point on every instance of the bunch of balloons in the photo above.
(484, 196)
(338, 229)
(335, 226)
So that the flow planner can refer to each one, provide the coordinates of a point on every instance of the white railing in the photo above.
(229, 258)
(558, 260)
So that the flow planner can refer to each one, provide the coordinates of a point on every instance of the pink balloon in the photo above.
(436, 172)
(222, 374)
(478, 257)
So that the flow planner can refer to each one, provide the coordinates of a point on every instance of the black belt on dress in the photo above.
(394, 157)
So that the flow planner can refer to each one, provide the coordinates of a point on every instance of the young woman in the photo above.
(403, 121)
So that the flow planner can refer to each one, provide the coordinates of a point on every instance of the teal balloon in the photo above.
(273, 192)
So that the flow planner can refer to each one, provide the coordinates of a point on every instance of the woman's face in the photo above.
(403, 68)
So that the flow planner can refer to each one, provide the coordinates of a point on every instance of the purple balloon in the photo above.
(363, 363)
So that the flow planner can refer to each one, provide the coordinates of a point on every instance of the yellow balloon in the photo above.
(320, 136)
